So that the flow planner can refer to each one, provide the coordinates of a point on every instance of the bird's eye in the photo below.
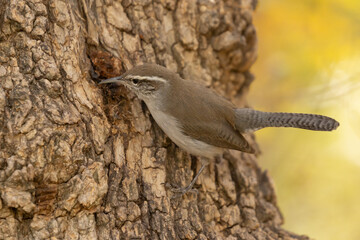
(135, 81)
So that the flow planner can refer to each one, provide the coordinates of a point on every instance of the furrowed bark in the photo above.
(80, 162)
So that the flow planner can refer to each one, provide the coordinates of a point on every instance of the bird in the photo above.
(200, 121)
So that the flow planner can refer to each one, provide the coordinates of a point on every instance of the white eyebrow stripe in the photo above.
(151, 78)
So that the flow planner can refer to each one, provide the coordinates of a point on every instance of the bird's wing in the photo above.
(223, 137)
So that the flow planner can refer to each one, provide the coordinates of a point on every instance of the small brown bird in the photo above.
(201, 122)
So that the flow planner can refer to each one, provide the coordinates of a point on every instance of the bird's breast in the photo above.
(172, 129)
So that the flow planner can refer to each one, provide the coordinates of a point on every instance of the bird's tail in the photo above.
(250, 120)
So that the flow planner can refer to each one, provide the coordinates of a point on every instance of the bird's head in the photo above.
(146, 81)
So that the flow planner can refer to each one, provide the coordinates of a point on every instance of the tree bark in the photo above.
(82, 162)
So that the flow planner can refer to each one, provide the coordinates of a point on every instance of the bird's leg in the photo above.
(189, 187)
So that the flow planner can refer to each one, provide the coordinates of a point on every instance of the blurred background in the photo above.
(309, 61)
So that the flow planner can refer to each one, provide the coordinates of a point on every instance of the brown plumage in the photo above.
(189, 111)
(216, 123)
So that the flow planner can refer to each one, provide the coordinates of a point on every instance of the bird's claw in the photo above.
(179, 192)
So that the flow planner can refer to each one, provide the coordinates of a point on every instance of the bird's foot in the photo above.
(181, 191)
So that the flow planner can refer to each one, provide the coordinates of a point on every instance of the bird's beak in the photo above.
(112, 80)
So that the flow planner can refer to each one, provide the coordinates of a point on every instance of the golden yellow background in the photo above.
(309, 61)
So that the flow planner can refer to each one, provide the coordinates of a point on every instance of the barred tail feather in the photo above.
(251, 120)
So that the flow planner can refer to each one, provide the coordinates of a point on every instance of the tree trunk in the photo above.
(82, 162)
